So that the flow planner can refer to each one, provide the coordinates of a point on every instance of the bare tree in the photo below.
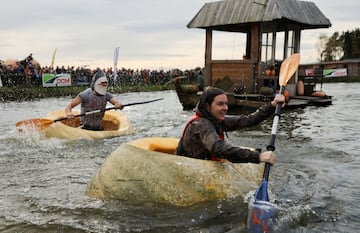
(321, 46)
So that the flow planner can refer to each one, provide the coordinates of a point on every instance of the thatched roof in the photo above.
(237, 15)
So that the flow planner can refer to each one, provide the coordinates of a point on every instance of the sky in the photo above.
(150, 34)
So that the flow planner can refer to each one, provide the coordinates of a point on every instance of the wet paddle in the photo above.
(260, 218)
(41, 123)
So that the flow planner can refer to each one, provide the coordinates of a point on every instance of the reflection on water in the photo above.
(314, 183)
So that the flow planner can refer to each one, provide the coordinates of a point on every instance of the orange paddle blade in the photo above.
(288, 68)
(37, 123)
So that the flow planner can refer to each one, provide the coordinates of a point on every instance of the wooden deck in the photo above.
(238, 103)
(312, 100)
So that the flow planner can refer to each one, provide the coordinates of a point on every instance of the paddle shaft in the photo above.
(142, 102)
(260, 215)
(107, 109)
(86, 113)
(271, 146)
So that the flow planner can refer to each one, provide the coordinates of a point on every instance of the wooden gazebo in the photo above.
(263, 22)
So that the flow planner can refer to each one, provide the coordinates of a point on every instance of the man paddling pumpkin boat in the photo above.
(203, 136)
(93, 98)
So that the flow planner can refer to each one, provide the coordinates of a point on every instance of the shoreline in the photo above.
(20, 93)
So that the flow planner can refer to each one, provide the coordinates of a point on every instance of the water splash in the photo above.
(292, 217)
(285, 214)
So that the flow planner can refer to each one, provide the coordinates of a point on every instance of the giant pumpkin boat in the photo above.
(115, 123)
(147, 170)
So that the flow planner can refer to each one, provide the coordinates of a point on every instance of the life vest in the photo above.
(221, 136)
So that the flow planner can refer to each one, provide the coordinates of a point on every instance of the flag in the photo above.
(116, 56)
(53, 58)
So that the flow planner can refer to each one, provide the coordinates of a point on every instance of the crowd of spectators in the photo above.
(83, 75)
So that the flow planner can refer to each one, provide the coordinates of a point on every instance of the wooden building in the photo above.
(263, 22)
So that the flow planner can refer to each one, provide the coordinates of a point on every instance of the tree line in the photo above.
(339, 46)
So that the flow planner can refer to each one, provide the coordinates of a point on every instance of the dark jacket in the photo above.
(201, 138)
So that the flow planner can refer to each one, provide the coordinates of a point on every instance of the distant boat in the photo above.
(189, 95)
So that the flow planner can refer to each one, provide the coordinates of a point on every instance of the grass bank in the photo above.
(32, 93)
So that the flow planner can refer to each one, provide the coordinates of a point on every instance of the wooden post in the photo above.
(255, 55)
(208, 59)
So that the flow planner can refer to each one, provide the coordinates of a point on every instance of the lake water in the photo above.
(315, 181)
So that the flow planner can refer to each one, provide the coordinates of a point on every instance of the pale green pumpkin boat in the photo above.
(147, 170)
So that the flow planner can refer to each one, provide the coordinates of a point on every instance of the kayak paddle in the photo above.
(260, 212)
(42, 123)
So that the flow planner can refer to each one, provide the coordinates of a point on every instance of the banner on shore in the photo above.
(328, 73)
(56, 80)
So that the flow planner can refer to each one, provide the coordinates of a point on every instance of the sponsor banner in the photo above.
(328, 73)
(56, 80)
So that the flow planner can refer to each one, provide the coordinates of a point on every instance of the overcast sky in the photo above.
(150, 33)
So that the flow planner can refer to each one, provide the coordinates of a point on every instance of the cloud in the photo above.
(150, 34)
